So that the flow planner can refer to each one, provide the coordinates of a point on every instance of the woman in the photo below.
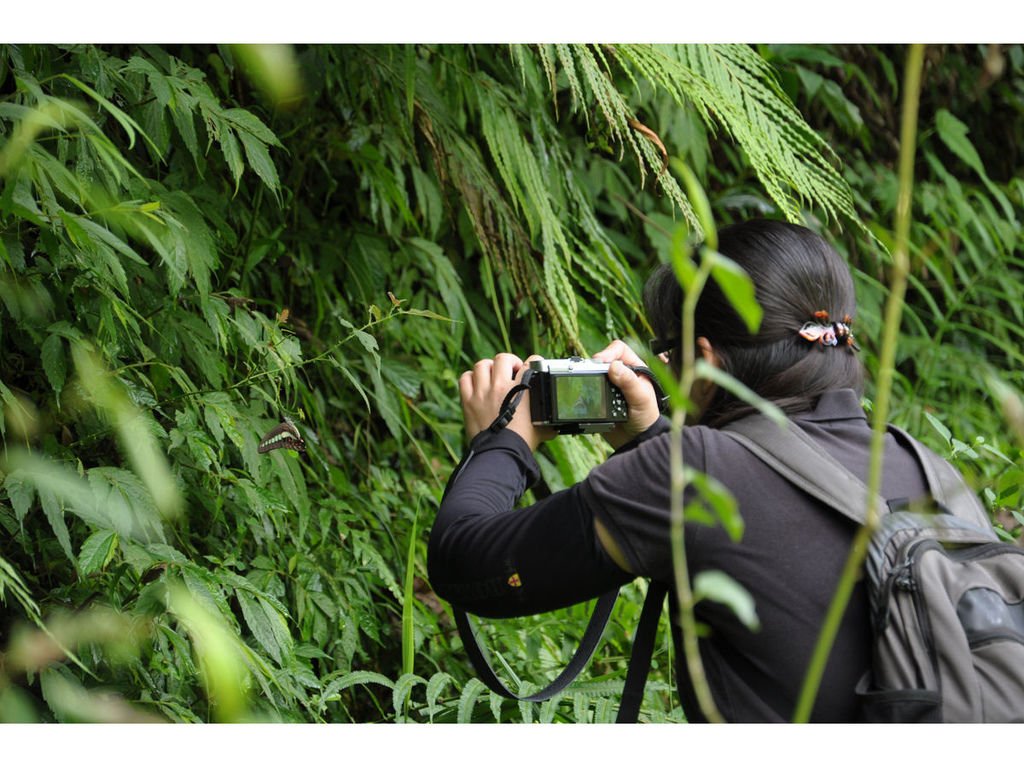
(614, 525)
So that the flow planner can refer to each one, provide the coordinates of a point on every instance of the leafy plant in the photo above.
(191, 250)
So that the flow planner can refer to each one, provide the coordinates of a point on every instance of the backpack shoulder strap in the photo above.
(946, 485)
(794, 455)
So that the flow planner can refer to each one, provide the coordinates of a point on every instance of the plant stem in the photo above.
(893, 312)
(300, 364)
(684, 595)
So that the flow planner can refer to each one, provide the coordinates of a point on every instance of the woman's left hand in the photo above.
(640, 397)
(483, 390)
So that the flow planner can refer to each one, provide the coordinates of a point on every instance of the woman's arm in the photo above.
(491, 559)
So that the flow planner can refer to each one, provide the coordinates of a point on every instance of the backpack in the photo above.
(947, 596)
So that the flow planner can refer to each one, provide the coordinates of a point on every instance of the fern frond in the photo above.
(575, 89)
(547, 61)
(617, 113)
(732, 87)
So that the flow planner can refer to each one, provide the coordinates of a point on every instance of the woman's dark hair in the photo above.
(795, 274)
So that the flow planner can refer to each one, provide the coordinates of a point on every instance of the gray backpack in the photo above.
(947, 596)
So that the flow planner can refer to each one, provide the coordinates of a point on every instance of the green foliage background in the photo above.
(190, 251)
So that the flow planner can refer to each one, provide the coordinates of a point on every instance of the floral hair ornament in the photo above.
(829, 334)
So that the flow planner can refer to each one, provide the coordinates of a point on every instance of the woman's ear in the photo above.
(708, 352)
(703, 389)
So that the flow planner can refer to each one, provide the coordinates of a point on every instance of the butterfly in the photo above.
(284, 435)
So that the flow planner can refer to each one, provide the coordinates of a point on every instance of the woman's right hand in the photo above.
(640, 397)
(483, 390)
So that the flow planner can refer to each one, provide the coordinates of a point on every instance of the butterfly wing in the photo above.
(284, 435)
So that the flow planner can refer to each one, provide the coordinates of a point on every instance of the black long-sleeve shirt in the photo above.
(492, 559)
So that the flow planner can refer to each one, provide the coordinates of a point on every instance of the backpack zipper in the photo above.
(983, 549)
(900, 577)
(905, 580)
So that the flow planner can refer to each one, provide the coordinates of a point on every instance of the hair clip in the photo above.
(828, 334)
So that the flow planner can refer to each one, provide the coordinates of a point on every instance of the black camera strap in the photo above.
(643, 641)
(510, 403)
(639, 658)
(591, 637)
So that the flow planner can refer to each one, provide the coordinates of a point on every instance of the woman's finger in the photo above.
(637, 390)
(482, 374)
(526, 366)
(506, 366)
(466, 385)
(618, 350)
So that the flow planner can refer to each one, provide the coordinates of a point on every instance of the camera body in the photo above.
(574, 396)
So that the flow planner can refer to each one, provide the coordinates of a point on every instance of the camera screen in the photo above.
(580, 398)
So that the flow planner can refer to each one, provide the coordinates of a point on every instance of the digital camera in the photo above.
(574, 396)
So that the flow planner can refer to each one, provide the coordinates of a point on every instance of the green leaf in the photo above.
(259, 160)
(137, 435)
(359, 677)
(720, 500)
(549, 708)
(121, 494)
(669, 383)
(722, 588)
(1004, 535)
(960, 447)
(54, 363)
(449, 283)
(681, 256)
(11, 581)
(266, 625)
(20, 492)
(954, 135)
(427, 313)
(58, 487)
(403, 691)
(198, 244)
(157, 81)
(97, 551)
(233, 579)
(738, 289)
(939, 427)
(470, 693)
(699, 201)
(206, 590)
(525, 707)
(129, 124)
(54, 511)
(581, 708)
(232, 156)
(184, 121)
(495, 702)
(410, 80)
(246, 122)
(408, 598)
(105, 235)
(371, 557)
(368, 341)
(217, 652)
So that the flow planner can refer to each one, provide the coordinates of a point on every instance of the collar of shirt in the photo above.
(835, 405)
